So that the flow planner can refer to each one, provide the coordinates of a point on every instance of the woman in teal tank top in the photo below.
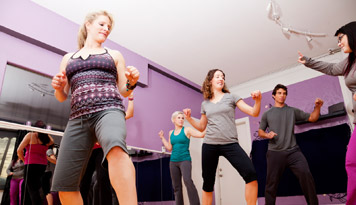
(181, 163)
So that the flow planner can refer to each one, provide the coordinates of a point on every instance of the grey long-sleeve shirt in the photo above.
(17, 169)
(336, 69)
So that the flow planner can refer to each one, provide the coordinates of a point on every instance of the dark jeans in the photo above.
(179, 170)
(277, 161)
(33, 182)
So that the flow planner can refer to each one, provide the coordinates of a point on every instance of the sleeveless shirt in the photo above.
(180, 147)
(36, 154)
(93, 84)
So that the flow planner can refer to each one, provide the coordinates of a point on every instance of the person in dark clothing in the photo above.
(283, 150)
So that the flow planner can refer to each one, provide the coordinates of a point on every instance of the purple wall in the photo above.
(35, 38)
(302, 95)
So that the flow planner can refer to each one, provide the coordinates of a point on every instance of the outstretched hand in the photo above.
(132, 74)
(301, 58)
(59, 81)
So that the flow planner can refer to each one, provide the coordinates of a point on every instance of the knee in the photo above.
(177, 188)
(305, 174)
(188, 181)
(116, 153)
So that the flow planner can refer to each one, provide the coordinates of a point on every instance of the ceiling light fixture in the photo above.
(309, 38)
(273, 13)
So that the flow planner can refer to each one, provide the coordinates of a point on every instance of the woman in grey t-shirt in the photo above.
(346, 36)
(218, 118)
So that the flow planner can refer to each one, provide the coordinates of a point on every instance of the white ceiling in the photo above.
(190, 37)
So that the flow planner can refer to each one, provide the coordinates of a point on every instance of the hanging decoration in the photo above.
(274, 14)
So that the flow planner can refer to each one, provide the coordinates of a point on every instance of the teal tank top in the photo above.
(180, 147)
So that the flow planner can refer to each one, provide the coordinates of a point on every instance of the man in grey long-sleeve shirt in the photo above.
(283, 150)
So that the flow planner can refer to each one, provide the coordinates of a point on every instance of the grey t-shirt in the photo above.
(221, 128)
(336, 69)
(282, 121)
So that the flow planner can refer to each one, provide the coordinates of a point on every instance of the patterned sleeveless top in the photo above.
(93, 84)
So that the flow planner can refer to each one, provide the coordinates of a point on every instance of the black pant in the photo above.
(234, 154)
(33, 182)
(277, 161)
(95, 186)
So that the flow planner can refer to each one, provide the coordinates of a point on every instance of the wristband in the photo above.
(131, 99)
(130, 87)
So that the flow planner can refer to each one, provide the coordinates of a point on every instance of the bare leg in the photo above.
(207, 198)
(122, 176)
(49, 198)
(70, 197)
(251, 190)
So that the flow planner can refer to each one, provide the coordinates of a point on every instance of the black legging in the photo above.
(33, 183)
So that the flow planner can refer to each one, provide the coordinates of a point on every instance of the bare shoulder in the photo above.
(67, 56)
(65, 60)
(115, 54)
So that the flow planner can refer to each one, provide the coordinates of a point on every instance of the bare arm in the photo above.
(266, 135)
(51, 141)
(130, 107)
(314, 116)
(123, 74)
(60, 82)
(23, 144)
(194, 133)
(199, 125)
(252, 111)
(166, 144)
(52, 159)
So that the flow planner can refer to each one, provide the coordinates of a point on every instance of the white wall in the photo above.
(295, 74)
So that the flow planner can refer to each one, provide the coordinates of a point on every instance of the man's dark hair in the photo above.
(279, 86)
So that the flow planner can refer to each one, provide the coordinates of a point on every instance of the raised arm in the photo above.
(51, 141)
(130, 107)
(60, 82)
(125, 75)
(334, 69)
(23, 144)
(190, 132)
(314, 116)
(252, 111)
(199, 125)
(166, 144)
